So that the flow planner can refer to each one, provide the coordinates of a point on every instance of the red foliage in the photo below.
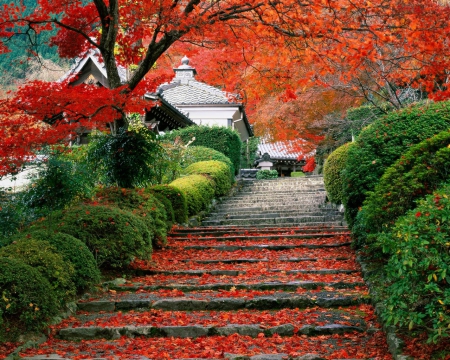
(310, 165)
(278, 50)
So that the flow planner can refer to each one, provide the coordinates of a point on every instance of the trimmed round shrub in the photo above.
(140, 203)
(177, 199)
(194, 154)
(44, 257)
(298, 174)
(266, 174)
(218, 171)
(114, 236)
(74, 251)
(332, 169)
(198, 190)
(27, 300)
(222, 139)
(383, 142)
(167, 207)
(418, 172)
(418, 270)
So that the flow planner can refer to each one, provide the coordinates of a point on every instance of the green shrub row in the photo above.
(332, 169)
(218, 171)
(418, 172)
(198, 191)
(222, 139)
(266, 174)
(176, 198)
(383, 142)
(194, 154)
(418, 269)
(298, 174)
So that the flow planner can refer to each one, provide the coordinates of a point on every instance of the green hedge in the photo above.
(44, 257)
(266, 174)
(140, 203)
(198, 190)
(222, 139)
(332, 169)
(418, 270)
(418, 172)
(177, 199)
(74, 251)
(194, 154)
(27, 301)
(218, 171)
(298, 174)
(382, 143)
(114, 236)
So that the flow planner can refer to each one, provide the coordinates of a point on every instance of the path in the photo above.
(272, 277)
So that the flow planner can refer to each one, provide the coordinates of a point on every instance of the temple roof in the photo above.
(280, 150)
(184, 89)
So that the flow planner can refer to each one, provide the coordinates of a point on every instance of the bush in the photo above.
(74, 251)
(298, 174)
(382, 143)
(218, 171)
(194, 154)
(418, 271)
(267, 174)
(125, 159)
(418, 172)
(140, 203)
(332, 169)
(198, 190)
(222, 139)
(27, 300)
(177, 199)
(168, 208)
(57, 183)
(44, 257)
(114, 236)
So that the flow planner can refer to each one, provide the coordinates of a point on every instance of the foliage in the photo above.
(72, 250)
(332, 173)
(310, 165)
(222, 139)
(248, 152)
(27, 300)
(266, 174)
(114, 236)
(218, 171)
(167, 163)
(298, 174)
(422, 169)
(58, 183)
(418, 270)
(44, 257)
(140, 203)
(165, 202)
(198, 190)
(193, 154)
(177, 199)
(13, 216)
(125, 159)
(382, 143)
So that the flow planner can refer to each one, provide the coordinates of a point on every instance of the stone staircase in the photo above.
(281, 202)
(260, 291)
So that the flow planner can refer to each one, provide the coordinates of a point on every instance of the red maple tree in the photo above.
(377, 46)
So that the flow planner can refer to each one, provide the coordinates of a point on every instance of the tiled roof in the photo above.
(191, 92)
(93, 55)
(281, 150)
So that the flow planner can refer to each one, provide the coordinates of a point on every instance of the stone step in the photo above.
(236, 214)
(195, 331)
(222, 230)
(219, 237)
(304, 220)
(265, 247)
(289, 203)
(218, 301)
(272, 285)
